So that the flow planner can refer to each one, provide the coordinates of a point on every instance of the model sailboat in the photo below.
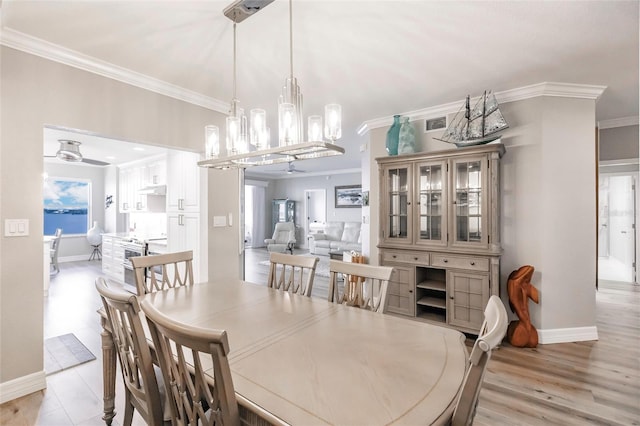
(476, 126)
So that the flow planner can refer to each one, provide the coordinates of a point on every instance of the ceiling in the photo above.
(375, 58)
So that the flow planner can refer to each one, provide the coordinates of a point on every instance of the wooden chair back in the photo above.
(194, 397)
(141, 387)
(491, 334)
(292, 273)
(356, 276)
(162, 271)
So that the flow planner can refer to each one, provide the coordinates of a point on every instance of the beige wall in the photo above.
(548, 203)
(619, 143)
(36, 92)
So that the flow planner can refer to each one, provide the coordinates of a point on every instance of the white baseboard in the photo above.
(22, 386)
(567, 335)
(73, 258)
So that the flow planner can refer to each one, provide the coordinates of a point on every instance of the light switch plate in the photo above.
(16, 227)
(219, 221)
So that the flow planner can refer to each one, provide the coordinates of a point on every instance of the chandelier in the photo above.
(249, 145)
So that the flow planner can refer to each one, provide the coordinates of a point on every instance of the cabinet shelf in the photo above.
(435, 316)
(433, 285)
(434, 302)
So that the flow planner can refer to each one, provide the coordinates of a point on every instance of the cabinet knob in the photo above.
(410, 291)
(415, 258)
(473, 263)
(408, 203)
(451, 297)
(394, 256)
(445, 261)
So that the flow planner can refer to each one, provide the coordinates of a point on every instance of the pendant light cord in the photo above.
(291, 36)
(234, 62)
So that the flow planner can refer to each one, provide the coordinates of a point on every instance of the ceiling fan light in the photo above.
(69, 151)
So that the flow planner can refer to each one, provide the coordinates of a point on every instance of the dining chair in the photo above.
(356, 276)
(292, 273)
(53, 250)
(195, 397)
(162, 271)
(491, 334)
(144, 387)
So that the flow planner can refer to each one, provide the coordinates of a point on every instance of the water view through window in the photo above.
(66, 205)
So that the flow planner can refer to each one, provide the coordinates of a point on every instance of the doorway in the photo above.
(616, 227)
(315, 210)
(254, 217)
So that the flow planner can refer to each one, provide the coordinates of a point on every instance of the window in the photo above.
(66, 205)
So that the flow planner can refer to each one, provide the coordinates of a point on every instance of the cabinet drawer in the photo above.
(460, 262)
(393, 256)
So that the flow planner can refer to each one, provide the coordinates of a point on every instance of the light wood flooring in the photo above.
(581, 383)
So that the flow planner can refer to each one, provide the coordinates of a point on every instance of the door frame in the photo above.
(307, 192)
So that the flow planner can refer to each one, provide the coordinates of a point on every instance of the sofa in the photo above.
(336, 236)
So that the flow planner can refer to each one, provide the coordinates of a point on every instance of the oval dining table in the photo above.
(306, 361)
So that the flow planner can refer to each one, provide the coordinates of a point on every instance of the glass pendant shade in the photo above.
(212, 141)
(264, 139)
(233, 135)
(333, 122)
(258, 127)
(314, 128)
(287, 123)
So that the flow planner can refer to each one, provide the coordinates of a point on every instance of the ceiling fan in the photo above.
(70, 151)
(291, 168)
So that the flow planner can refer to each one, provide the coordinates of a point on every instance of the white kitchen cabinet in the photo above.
(135, 176)
(183, 233)
(183, 181)
(113, 257)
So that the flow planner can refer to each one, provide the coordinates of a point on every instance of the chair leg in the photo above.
(128, 410)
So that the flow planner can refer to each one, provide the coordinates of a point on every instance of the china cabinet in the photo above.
(283, 210)
(439, 216)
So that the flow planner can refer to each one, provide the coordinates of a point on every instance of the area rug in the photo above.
(63, 352)
(322, 268)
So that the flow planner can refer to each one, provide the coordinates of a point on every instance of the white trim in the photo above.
(618, 122)
(35, 46)
(620, 162)
(567, 335)
(565, 90)
(76, 258)
(252, 182)
(22, 386)
(252, 173)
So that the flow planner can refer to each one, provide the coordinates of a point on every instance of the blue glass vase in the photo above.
(407, 143)
(393, 136)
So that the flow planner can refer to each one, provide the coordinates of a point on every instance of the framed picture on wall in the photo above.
(348, 196)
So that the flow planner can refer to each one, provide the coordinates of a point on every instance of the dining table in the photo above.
(300, 360)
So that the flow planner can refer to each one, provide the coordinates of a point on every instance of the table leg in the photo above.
(108, 375)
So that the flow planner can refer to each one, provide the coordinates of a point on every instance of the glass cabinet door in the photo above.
(398, 204)
(431, 210)
(469, 202)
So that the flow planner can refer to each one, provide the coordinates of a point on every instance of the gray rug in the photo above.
(322, 268)
(66, 351)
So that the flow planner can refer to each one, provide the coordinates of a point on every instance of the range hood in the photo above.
(153, 190)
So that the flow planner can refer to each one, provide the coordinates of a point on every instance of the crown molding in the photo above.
(618, 122)
(44, 49)
(565, 90)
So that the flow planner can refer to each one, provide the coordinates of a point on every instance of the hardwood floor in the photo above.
(580, 383)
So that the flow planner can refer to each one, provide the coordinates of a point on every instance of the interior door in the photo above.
(315, 209)
(617, 261)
